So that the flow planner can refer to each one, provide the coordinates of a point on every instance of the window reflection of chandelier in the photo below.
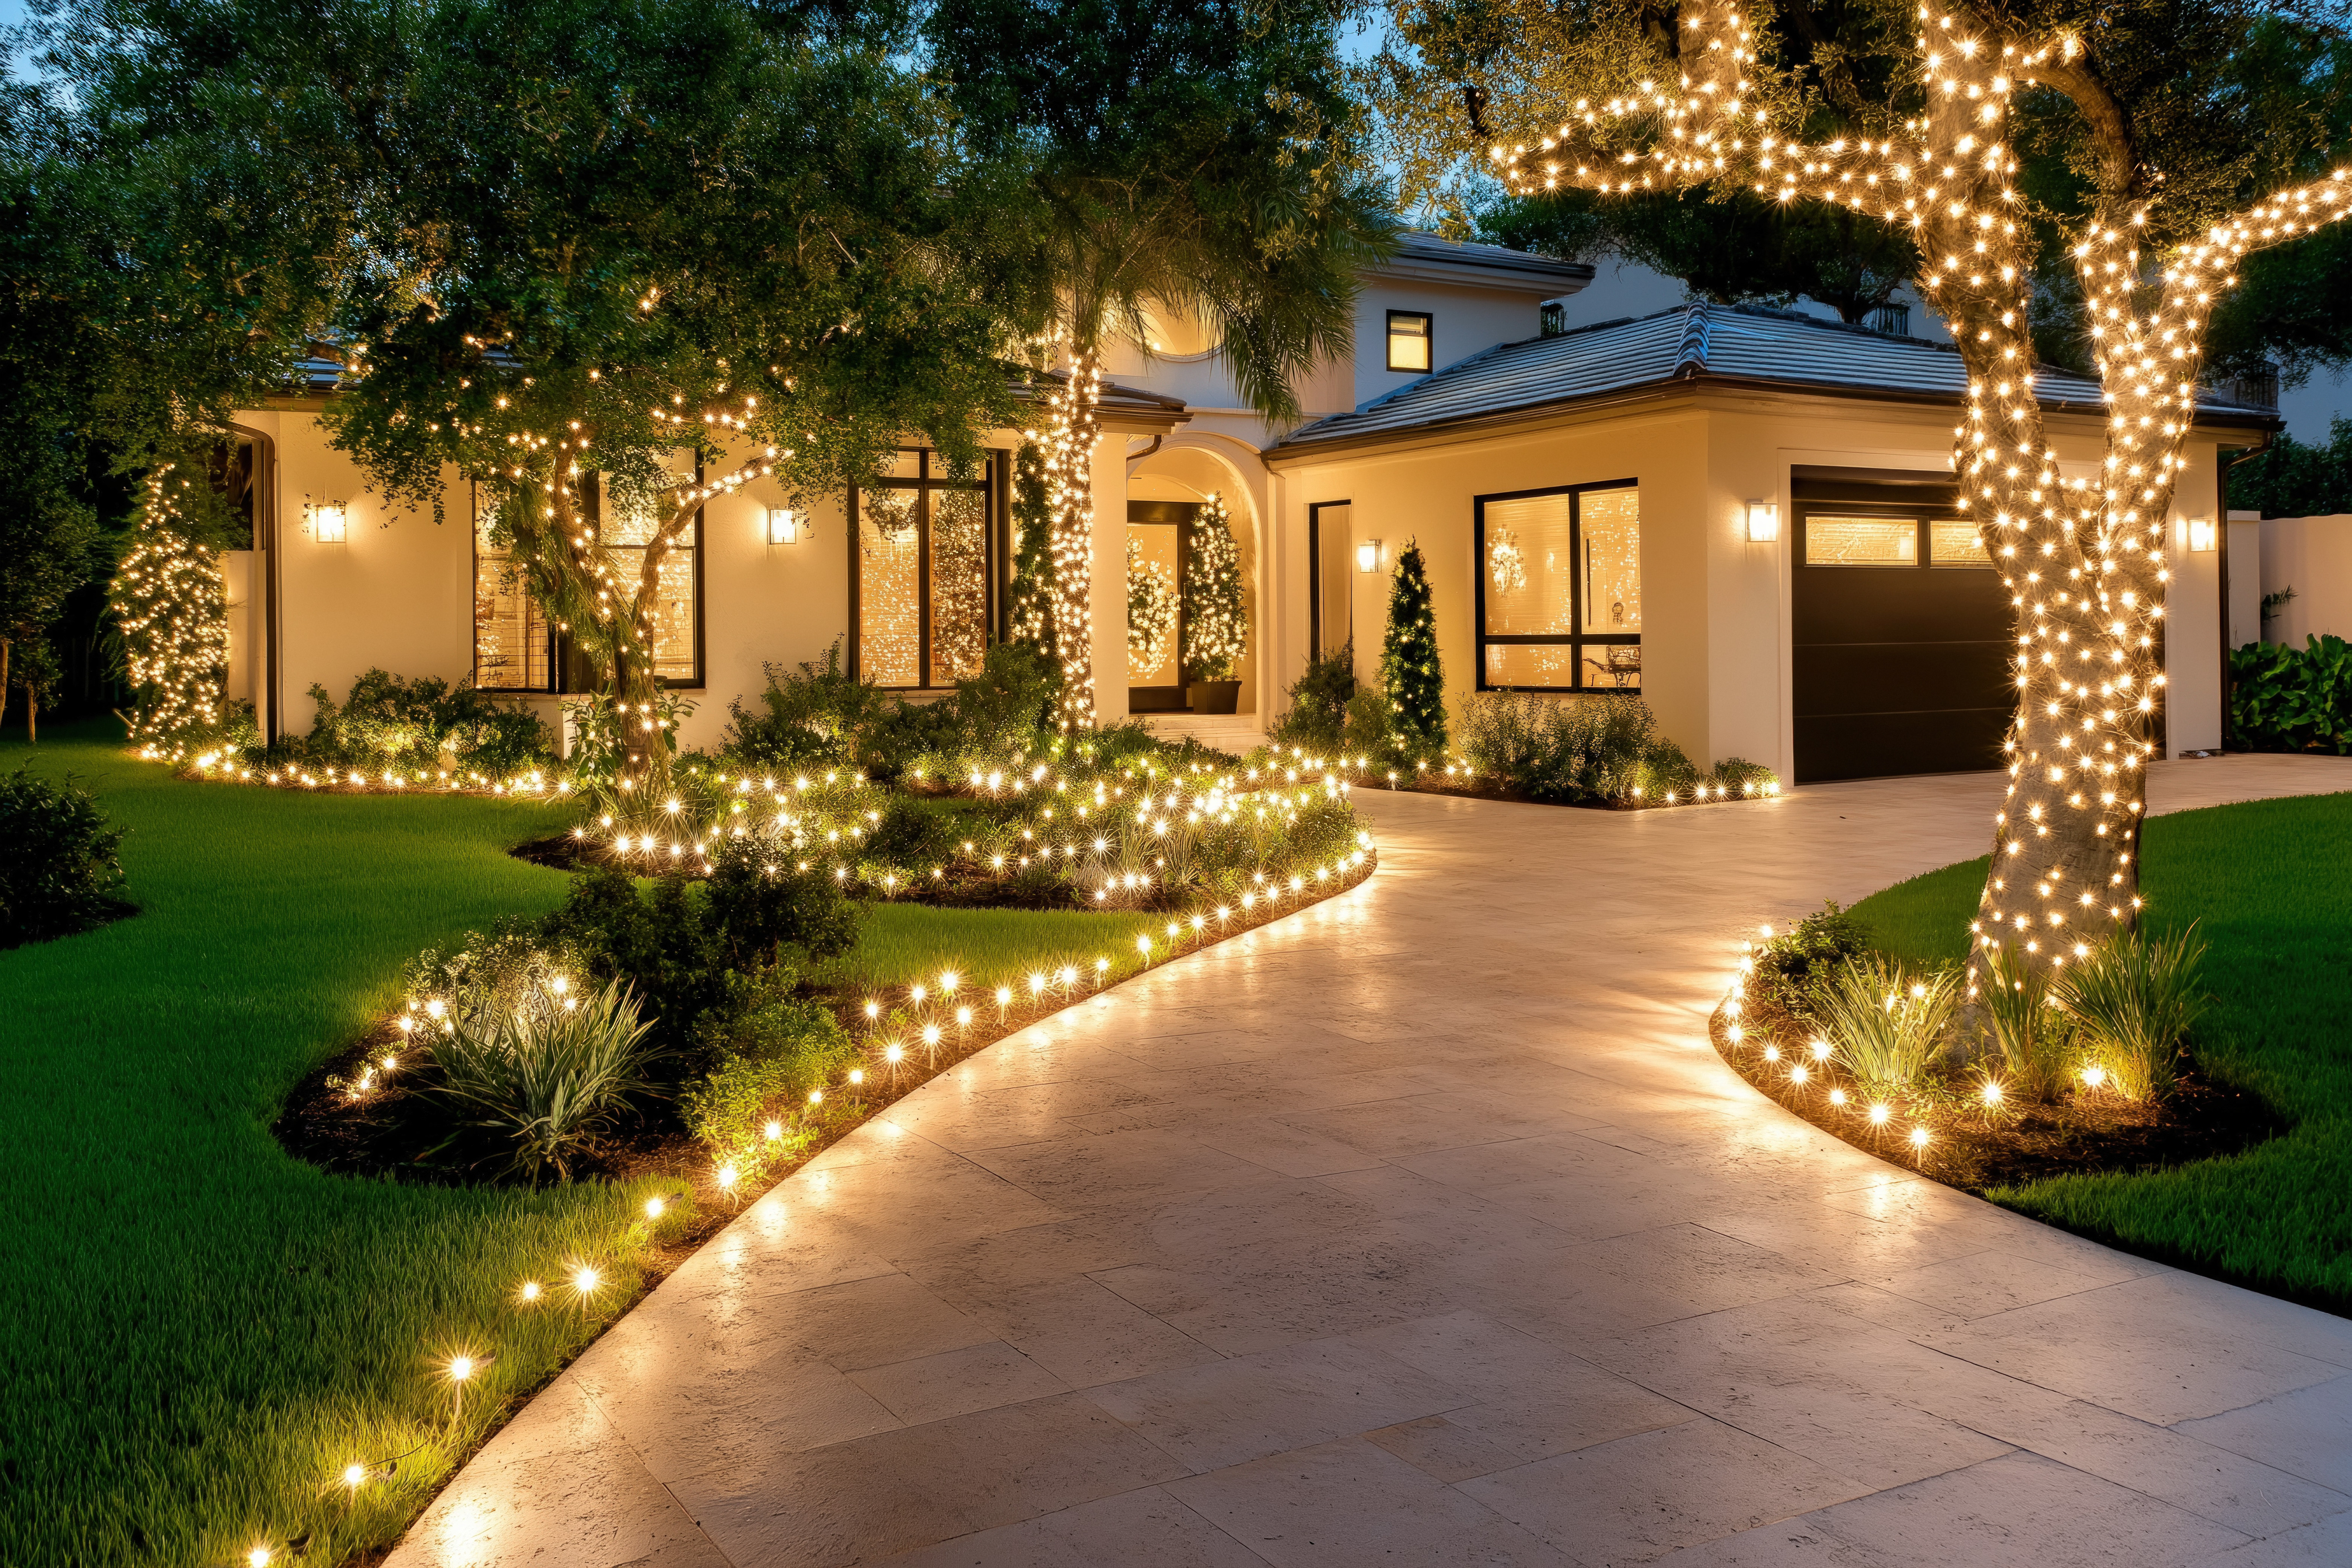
(1507, 561)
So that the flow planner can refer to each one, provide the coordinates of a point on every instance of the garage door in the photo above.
(1900, 630)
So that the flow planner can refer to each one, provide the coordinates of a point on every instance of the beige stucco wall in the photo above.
(398, 592)
(2312, 555)
(1715, 635)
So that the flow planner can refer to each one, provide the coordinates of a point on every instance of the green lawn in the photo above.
(2270, 883)
(197, 1333)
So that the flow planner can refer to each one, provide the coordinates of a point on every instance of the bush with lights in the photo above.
(171, 604)
(1412, 678)
(1216, 599)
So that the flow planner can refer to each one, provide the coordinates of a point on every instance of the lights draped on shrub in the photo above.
(1216, 608)
(171, 603)
(1410, 671)
(1150, 613)
(1068, 441)
(2084, 560)
(1033, 564)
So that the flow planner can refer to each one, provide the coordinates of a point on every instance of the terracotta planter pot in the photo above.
(1213, 696)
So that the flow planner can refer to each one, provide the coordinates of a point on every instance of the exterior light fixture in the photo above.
(329, 522)
(783, 526)
(2201, 534)
(1368, 555)
(1763, 522)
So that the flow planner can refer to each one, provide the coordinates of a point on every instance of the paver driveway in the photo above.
(1425, 1228)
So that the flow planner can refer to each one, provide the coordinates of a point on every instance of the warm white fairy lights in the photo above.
(171, 603)
(2084, 560)
(1074, 423)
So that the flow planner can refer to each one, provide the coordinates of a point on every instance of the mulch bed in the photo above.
(1472, 790)
(2084, 1133)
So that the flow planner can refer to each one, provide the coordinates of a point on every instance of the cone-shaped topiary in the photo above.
(1410, 671)
(171, 603)
(1216, 608)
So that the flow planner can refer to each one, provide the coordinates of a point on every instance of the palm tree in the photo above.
(1198, 159)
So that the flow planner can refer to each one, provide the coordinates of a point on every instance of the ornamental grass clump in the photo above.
(2135, 998)
(1884, 1024)
(2027, 1032)
(544, 1078)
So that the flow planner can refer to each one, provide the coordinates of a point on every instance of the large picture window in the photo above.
(515, 647)
(923, 587)
(1560, 590)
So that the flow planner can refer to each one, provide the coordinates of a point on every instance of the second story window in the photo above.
(1409, 340)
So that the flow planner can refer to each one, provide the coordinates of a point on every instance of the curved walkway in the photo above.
(1424, 1227)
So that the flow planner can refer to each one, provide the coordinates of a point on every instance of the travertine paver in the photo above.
(1424, 1227)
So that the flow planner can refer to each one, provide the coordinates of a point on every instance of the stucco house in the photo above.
(1744, 515)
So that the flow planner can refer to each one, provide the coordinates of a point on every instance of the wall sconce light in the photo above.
(1368, 555)
(1763, 522)
(329, 522)
(783, 526)
(2201, 534)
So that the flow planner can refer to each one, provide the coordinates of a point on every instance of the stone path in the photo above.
(1425, 1228)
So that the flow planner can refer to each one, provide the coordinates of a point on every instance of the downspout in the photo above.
(1138, 457)
(2221, 505)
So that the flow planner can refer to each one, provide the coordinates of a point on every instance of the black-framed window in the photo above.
(1861, 538)
(517, 648)
(925, 597)
(1559, 589)
(1331, 596)
(1410, 334)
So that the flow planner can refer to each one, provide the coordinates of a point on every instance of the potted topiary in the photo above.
(1216, 614)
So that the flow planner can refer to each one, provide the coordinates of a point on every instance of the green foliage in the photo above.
(1372, 728)
(1582, 750)
(2299, 478)
(61, 873)
(2264, 880)
(1316, 717)
(1216, 602)
(544, 1077)
(35, 671)
(2030, 1036)
(1032, 560)
(1884, 1023)
(389, 721)
(1738, 249)
(1793, 966)
(760, 907)
(1204, 158)
(2289, 699)
(812, 720)
(2135, 997)
(1411, 673)
(764, 1063)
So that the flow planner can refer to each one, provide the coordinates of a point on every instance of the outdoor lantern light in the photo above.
(784, 528)
(1763, 522)
(2201, 534)
(1368, 555)
(329, 522)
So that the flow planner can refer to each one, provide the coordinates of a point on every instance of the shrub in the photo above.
(1370, 731)
(767, 1060)
(60, 875)
(1590, 749)
(546, 1077)
(2291, 699)
(760, 906)
(389, 721)
(1007, 709)
(1793, 966)
(813, 719)
(2134, 997)
(2030, 1037)
(1317, 715)
(1884, 1024)
(914, 835)
(659, 942)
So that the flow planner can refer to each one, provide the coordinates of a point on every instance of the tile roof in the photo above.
(1734, 343)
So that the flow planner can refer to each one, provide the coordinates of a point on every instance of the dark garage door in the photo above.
(1900, 630)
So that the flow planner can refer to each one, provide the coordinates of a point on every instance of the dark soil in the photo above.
(2083, 1133)
(1472, 790)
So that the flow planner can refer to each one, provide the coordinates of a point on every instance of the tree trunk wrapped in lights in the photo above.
(2084, 560)
(171, 603)
(1074, 423)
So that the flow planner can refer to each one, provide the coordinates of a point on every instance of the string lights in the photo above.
(2084, 560)
(171, 603)
(1074, 423)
